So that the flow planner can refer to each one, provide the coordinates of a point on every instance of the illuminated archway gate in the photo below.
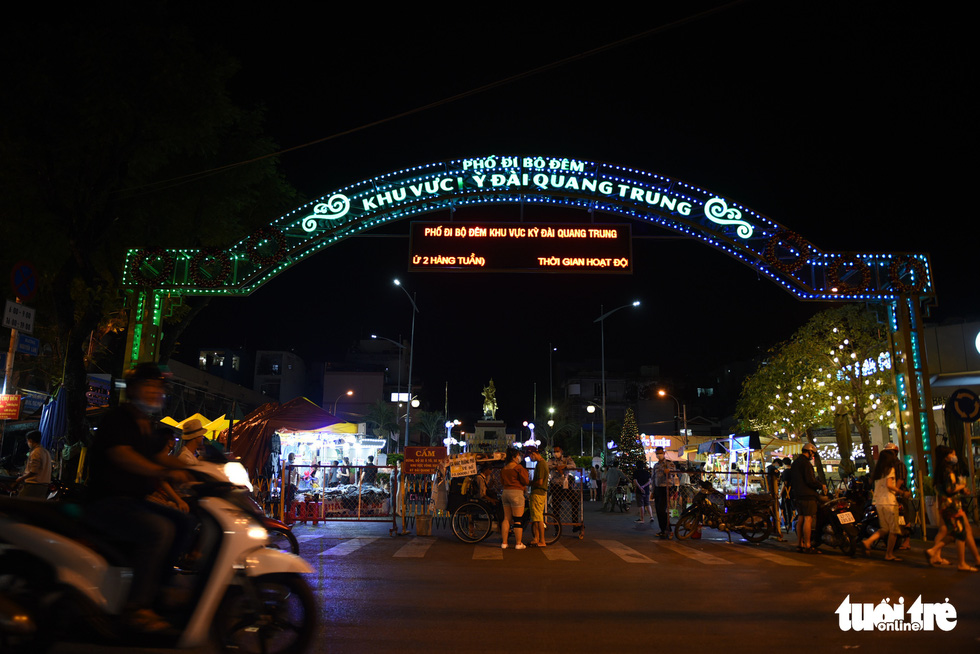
(902, 281)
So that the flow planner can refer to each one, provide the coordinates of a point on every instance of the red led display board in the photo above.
(521, 247)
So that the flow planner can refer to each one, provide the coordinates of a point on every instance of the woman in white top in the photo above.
(885, 490)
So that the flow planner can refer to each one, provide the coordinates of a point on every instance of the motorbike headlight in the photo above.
(258, 533)
(236, 474)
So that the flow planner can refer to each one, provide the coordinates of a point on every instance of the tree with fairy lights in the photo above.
(630, 450)
(836, 366)
(851, 347)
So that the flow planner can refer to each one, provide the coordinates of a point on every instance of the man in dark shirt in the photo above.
(125, 465)
(642, 480)
(369, 474)
(805, 490)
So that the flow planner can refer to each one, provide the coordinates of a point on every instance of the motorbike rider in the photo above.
(805, 489)
(125, 466)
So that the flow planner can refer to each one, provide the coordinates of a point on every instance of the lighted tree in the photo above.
(836, 365)
(630, 450)
(850, 345)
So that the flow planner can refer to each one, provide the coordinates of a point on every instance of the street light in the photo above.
(411, 354)
(348, 393)
(602, 340)
(591, 409)
(663, 393)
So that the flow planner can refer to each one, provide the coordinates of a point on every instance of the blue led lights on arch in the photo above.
(720, 222)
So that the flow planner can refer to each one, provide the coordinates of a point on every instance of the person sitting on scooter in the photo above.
(124, 467)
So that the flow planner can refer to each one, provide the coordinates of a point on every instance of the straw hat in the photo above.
(192, 429)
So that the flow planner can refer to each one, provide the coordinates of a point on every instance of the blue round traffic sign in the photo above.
(23, 279)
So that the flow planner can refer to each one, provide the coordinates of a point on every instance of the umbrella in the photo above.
(53, 421)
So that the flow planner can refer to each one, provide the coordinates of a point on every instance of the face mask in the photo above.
(952, 460)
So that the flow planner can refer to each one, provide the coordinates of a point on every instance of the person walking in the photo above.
(885, 491)
(514, 478)
(593, 482)
(955, 525)
(805, 493)
(642, 480)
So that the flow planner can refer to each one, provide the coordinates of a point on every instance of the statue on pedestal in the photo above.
(489, 402)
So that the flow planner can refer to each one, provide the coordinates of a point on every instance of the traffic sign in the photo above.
(17, 316)
(28, 345)
(23, 279)
(966, 404)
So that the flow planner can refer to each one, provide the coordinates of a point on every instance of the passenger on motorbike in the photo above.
(124, 467)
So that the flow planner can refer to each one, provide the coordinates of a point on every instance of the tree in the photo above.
(101, 139)
(381, 416)
(836, 366)
(852, 348)
(432, 424)
(630, 450)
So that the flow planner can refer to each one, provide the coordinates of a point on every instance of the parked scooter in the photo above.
(751, 517)
(61, 581)
(836, 525)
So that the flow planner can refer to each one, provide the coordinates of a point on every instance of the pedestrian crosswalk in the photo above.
(636, 551)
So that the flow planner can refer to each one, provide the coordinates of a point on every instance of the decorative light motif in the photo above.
(550, 181)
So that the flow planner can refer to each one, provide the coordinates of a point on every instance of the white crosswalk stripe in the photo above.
(692, 553)
(348, 546)
(769, 555)
(415, 548)
(558, 552)
(627, 554)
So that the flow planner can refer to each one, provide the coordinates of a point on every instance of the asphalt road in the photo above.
(618, 589)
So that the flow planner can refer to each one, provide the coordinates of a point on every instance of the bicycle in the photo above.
(472, 522)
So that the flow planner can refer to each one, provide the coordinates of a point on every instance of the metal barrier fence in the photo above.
(318, 493)
(566, 505)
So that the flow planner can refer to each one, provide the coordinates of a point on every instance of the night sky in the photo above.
(850, 123)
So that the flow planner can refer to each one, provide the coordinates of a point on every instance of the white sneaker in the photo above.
(503, 546)
(520, 546)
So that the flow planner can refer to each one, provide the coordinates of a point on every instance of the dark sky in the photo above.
(850, 123)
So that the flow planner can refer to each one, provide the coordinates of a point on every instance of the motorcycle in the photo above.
(280, 534)
(751, 517)
(60, 581)
(836, 525)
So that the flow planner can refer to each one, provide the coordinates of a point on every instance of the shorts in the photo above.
(806, 507)
(538, 501)
(514, 498)
(643, 498)
(888, 518)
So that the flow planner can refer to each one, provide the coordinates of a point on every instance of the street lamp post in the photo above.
(591, 410)
(602, 341)
(681, 410)
(411, 356)
(348, 393)
(551, 384)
